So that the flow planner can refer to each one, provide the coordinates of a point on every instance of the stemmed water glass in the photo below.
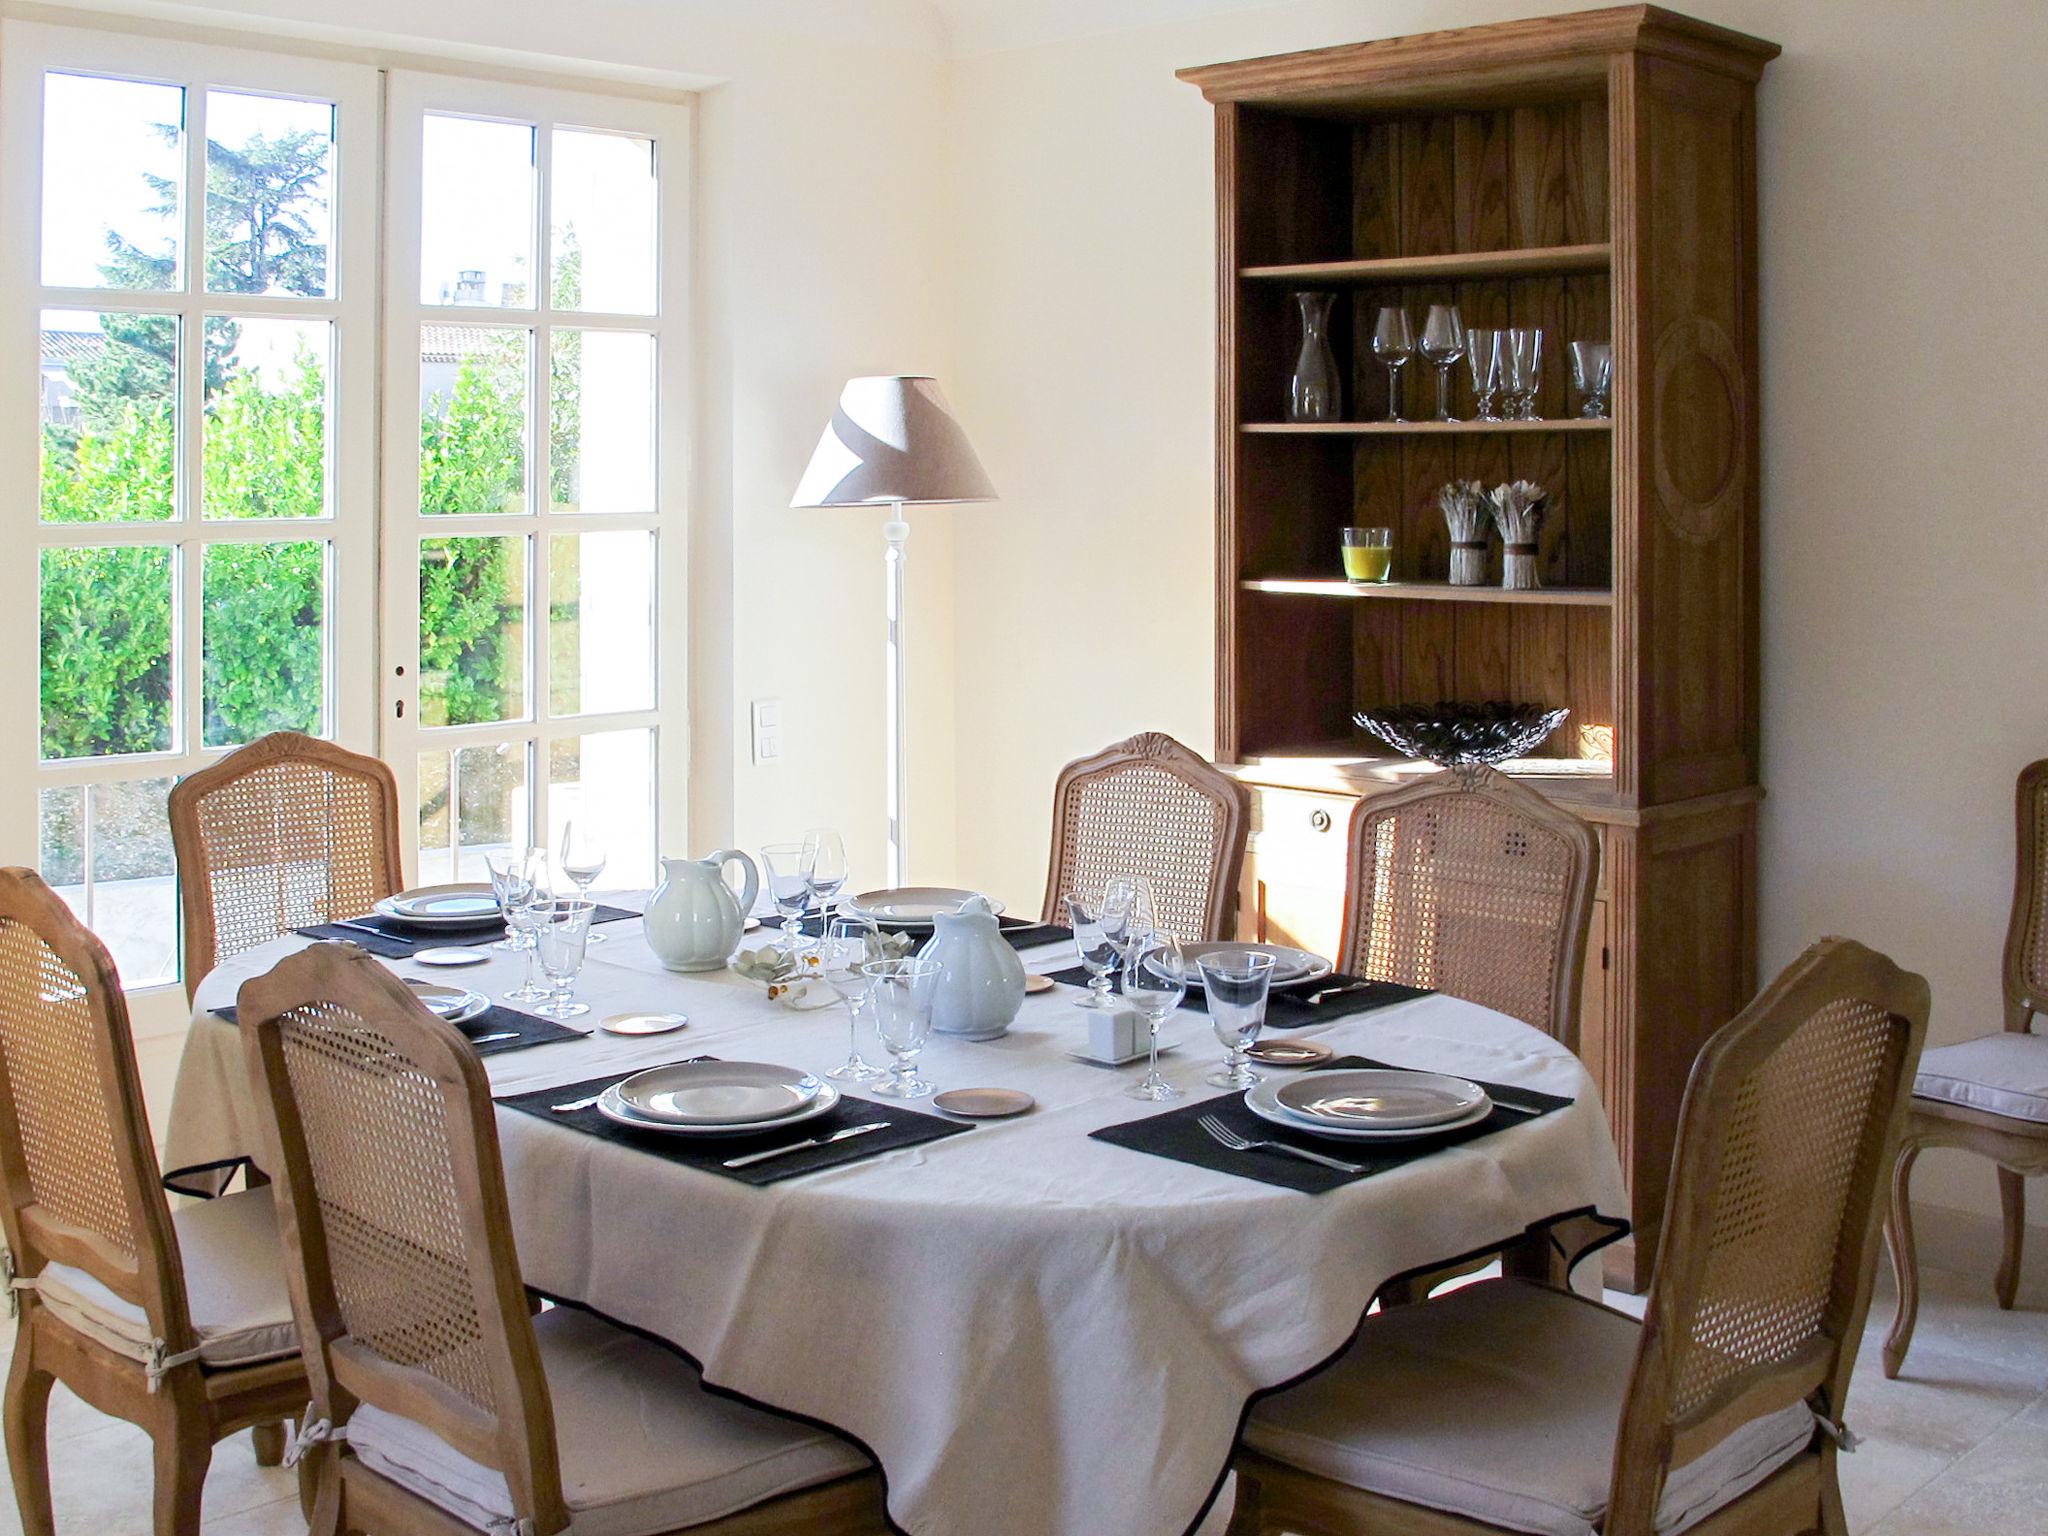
(824, 866)
(583, 860)
(1100, 927)
(1393, 343)
(513, 877)
(1236, 982)
(1443, 343)
(527, 899)
(786, 870)
(562, 931)
(1155, 982)
(1483, 360)
(1523, 364)
(1592, 374)
(900, 995)
(843, 950)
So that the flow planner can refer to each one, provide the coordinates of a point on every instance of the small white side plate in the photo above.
(453, 955)
(643, 1023)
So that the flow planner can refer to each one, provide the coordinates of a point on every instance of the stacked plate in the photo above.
(458, 1005)
(1370, 1104)
(717, 1098)
(1290, 965)
(911, 906)
(434, 907)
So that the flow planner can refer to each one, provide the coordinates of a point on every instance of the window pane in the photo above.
(605, 781)
(472, 419)
(601, 422)
(600, 622)
(269, 194)
(472, 630)
(60, 857)
(476, 212)
(106, 651)
(473, 802)
(602, 210)
(134, 878)
(265, 433)
(109, 417)
(265, 634)
(113, 174)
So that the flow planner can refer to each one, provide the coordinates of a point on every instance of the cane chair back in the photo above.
(79, 1168)
(1471, 884)
(1764, 1269)
(398, 1244)
(286, 832)
(2026, 939)
(1149, 806)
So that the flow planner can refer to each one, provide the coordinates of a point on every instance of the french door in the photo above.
(534, 374)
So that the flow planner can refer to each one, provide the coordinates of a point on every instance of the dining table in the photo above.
(1033, 1329)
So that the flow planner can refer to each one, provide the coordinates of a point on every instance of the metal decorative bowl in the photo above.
(1455, 735)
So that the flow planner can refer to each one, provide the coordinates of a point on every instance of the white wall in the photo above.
(1904, 369)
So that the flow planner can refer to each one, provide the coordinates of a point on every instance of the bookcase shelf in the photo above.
(1552, 260)
(1428, 592)
(1425, 428)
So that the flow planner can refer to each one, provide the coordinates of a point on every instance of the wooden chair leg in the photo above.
(1898, 1235)
(2012, 1196)
(27, 1420)
(1244, 1513)
(182, 1455)
(269, 1442)
(1833, 1520)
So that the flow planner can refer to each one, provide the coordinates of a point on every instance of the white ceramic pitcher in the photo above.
(694, 920)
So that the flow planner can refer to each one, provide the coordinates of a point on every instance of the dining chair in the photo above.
(1471, 884)
(285, 832)
(1988, 1095)
(1149, 806)
(178, 1322)
(451, 1409)
(1512, 1406)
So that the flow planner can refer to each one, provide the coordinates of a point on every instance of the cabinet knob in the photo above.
(1319, 819)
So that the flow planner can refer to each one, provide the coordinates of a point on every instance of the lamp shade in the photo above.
(892, 439)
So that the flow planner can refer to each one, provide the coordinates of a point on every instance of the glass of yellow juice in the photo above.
(1369, 554)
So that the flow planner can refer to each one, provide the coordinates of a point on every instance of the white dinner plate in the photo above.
(458, 1005)
(728, 1093)
(1289, 964)
(442, 906)
(1381, 1098)
(1262, 1101)
(912, 906)
(609, 1105)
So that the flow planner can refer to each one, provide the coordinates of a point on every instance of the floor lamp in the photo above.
(893, 442)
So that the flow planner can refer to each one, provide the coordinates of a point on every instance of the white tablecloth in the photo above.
(1033, 1332)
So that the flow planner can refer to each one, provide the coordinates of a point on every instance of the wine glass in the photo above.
(843, 949)
(786, 869)
(562, 932)
(1155, 982)
(1483, 360)
(1592, 374)
(512, 881)
(1236, 982)
(1443, 343)
(1393, 343)
(824, 866)
(1098, 936)
(1523, 365)
(526, 898)
(900, 995)
(583, 860)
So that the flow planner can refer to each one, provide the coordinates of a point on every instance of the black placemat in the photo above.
(1287, 1008)
(1018, 932)
(906, 1128)
(526, 1029)
(1176, 1135)
(398, 941)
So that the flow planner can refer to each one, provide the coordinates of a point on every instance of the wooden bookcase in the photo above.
(1593, 174)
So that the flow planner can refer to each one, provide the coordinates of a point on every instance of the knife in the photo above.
(1316, 997)
(375, 933)
(800, 1146)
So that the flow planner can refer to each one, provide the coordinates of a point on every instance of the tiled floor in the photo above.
(1957, 1447)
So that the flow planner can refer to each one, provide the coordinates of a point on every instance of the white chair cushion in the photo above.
(234, 1286)
(644, 1448)
(1500, 1402)
(2002, 1074)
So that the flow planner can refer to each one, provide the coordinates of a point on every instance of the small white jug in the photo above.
(981, 980)
(693, 920)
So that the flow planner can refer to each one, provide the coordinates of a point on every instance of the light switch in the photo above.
(767, 731)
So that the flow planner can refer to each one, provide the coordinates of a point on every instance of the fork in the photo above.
(1220, 1132)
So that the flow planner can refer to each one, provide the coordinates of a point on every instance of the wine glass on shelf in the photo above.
(1098, 934)
(583, 860)
(824, 866)
(785, 869)
(844, 948)
(1155, 983)
(562, 931)
(512, 880)
(1443, 343)
(1523, 365)
(1235, 983)
(900, 995)
(1483, 361)
(1393, 343)
(1592, 375)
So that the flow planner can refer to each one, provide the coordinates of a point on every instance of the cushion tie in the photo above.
(158, 1362)
(14, 1286)
(309, 1432)
(1845, 1438)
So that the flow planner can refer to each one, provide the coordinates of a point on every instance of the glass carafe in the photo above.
(1312, 394)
